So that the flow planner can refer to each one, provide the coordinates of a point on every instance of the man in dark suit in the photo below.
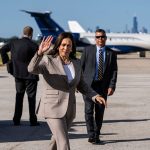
(101, 74)
(22, 50)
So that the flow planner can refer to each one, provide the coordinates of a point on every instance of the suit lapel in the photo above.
(106, 59)
(59, 69)
(94, 55)
(58, 65)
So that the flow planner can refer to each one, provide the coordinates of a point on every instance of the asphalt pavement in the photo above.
(126, 122)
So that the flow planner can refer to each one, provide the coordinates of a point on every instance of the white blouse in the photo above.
(70, 72)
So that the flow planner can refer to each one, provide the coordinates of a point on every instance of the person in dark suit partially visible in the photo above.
(101, 74)
(22, 50)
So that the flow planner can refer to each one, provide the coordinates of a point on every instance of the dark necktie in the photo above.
(100, 65)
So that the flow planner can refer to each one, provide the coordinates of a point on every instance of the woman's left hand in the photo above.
(101, 100)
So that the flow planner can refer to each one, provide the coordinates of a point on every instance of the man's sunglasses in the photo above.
(102, 37)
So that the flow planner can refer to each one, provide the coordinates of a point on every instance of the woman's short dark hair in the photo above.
(58, 42)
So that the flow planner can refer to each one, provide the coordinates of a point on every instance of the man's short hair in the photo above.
(100, 30)
(28, 31)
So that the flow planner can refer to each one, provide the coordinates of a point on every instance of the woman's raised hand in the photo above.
(45, 45)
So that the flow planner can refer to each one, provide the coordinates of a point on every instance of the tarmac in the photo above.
(126, 122)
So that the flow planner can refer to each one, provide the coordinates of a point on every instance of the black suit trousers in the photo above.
(94, 112)
(30, 87)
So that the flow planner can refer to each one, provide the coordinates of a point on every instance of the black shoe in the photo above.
(91, 140)
(97, 140)
(35, 124)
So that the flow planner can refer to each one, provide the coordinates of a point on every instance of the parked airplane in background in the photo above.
(119, 42)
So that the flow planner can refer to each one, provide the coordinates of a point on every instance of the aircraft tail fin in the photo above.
(45, 23)
(75, 27)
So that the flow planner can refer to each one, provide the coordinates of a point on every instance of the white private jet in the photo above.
(119, 42)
